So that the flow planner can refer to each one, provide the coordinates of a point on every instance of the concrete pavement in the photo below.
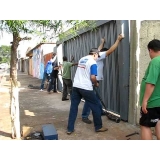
(38, 108)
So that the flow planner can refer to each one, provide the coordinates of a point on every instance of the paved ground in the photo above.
(38, 108)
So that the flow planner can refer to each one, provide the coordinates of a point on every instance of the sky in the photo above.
(5, 39)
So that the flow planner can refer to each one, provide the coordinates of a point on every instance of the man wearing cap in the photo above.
(104, 52)
(85, 78)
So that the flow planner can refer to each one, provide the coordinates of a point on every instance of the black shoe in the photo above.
(65, 99)
(103, 113)
(70, 132)
(86, 120)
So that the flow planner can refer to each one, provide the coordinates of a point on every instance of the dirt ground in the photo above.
(38, 108)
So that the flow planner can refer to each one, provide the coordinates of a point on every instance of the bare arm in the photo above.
(148, 92)
(74, 64)
(56, 68)
(102, 44)
(94, 80)
(115, 45)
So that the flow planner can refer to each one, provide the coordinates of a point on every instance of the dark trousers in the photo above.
(52, 84)
(45, 76)
(67, 86)
(86, 110)
(91, 100)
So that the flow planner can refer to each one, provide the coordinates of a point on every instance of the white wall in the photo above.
(48, 48)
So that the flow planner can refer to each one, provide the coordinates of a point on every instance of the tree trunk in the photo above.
(14, 96)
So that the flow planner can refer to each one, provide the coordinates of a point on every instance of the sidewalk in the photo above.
(38, 108)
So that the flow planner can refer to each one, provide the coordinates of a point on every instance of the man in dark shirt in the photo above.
(54, 77)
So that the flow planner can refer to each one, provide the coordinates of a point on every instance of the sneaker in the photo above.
(70, 132)
(41, 90)
(65, 99)
(102, 129)
(86, 120)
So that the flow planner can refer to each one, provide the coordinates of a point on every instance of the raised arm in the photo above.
(115, 45)
(102, 44)
(72, 59)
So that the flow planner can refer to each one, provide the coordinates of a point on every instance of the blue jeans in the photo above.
(86, 109)
(52, 84)
(91, 101)
(45, 76)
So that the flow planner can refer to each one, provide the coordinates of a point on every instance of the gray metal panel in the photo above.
(97, 24)
(124, 62)
(114, 87)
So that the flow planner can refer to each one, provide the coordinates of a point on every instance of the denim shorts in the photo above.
(151, 118)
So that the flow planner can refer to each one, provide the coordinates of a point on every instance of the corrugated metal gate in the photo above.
(114, 88)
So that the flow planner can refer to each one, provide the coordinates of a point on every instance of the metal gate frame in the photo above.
(115, 93)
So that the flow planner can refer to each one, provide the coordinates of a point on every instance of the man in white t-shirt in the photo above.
(104, 52)
(84, 80)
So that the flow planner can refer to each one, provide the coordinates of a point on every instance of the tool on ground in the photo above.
(112, 116)
(49, 132)
(132, 134)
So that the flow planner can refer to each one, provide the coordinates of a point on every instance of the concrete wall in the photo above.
(132, 114)
(141, 32)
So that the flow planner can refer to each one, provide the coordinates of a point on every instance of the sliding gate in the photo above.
(115, 86)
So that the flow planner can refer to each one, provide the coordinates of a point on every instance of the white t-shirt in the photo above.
(82, 77)
(52, 60)
(100, 65)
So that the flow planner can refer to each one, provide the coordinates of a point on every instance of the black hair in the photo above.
(91, 52)
(104, 49)
(64, 58)
(154, 45)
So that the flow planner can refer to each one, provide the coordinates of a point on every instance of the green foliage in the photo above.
(40, 27)
(77, 25)
(37, 27)
(5, 53)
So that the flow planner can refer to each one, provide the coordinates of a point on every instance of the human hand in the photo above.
(144, 107)
(120, 37)
(97, 84)
(72, 58)
(102, 40)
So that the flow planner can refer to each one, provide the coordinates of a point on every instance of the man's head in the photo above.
(64, 58)
(154, 48)
(104, 49)
(54, 54)
(94, 52)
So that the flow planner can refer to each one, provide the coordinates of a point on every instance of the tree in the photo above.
(16, 28)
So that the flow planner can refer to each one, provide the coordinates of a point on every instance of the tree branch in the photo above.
(24, 38)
